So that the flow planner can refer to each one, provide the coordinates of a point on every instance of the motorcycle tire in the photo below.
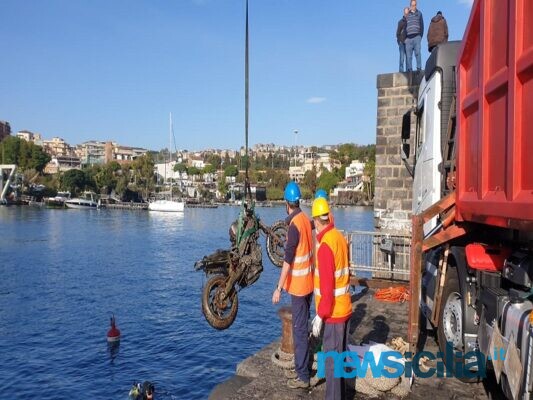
(219, 318)
(276, 250)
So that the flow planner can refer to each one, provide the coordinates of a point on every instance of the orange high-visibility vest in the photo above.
(342, 303)
(299, 281)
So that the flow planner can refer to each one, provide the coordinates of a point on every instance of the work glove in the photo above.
(317, 326)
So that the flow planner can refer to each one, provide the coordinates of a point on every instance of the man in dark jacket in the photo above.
(414, 30)
(437, 32)
(401, 35)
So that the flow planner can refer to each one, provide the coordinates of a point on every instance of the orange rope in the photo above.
(398, 294)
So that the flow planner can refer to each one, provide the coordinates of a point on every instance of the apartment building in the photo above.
(57, 147)
(121, 154)
(5, 129)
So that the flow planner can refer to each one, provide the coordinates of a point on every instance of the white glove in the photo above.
(317, 326)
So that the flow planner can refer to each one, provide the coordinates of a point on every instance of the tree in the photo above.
(274, 193)
(143, 169)
(223, 187)
(209, 169)
(327, 180)
(231, 170)
(180, 167)
(26, 155)
(74, 181)
(193, 171)
(105, 178)
(215, 160)
(309, 180)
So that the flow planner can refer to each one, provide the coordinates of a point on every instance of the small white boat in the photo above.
(169, 204)
(166, 205)
(88, 201)
(57, 201)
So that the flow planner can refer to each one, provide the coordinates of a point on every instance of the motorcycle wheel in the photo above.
(219, 313)
(276, 249)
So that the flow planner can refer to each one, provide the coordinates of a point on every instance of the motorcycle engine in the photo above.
(253, 265)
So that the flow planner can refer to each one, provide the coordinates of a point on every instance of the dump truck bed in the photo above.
(495, 115)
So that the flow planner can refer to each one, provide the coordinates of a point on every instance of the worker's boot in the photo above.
(297, 383)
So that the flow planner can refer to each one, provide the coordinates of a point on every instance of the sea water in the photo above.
(63, 273)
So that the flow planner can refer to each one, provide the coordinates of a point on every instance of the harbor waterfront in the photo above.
(65, 272)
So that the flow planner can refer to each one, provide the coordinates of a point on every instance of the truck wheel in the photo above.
(451, 322)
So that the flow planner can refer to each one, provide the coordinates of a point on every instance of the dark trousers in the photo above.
(335, 339)
(300, 334)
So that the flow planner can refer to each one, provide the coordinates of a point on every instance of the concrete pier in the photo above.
(258, 378)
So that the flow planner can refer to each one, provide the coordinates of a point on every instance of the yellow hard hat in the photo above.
(320, 207)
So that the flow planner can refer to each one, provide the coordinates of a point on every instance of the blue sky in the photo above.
(114, 69)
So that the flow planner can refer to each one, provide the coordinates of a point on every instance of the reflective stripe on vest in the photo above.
(338, 273)
(300, 272)
(304, 258)
(337, 292)
(342, 304)
(299, 281)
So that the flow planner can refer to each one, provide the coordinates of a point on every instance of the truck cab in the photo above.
(432, 111)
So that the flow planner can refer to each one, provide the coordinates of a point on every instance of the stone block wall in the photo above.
(397, 93)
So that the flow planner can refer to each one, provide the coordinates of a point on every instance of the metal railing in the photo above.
(379, 255)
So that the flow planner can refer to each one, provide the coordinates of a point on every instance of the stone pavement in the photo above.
(257, 378)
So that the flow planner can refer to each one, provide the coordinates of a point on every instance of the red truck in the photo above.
(472, 250)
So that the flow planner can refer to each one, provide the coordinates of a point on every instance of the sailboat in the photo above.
(167, 205)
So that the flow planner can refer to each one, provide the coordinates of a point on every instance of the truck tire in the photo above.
(451, 324)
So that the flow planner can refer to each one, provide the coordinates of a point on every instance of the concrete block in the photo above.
(382, 112)
(401, 215)
(395, 183)
(381, 160)
(382, 141)
(401, 79)
(380, 204)
(401, 194)
(387, 194)
(398, 101)
(383, 172)
(380, 150)
(393, 149)
(385, 81)
(392, 131)
(383, 121)
(381, 183)
(394, 204)
(384, 102)
(394, 159)
(407, 204)
(395, 140)
(390, 112)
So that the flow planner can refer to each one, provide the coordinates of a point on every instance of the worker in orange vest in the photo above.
(332, 293)
(297, 279)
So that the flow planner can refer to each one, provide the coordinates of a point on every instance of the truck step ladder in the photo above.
(448, 153)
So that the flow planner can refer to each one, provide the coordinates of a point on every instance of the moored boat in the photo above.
(88, 201)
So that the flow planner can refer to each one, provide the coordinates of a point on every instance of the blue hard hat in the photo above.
(292, 192)
(321, 193)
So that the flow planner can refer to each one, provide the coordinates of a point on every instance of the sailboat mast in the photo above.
(170, 152)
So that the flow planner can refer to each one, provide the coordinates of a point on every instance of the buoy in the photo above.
(113, 334)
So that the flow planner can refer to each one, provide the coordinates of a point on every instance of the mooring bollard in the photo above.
(287, 345)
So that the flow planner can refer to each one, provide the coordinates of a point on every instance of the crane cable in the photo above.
(247, 190)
